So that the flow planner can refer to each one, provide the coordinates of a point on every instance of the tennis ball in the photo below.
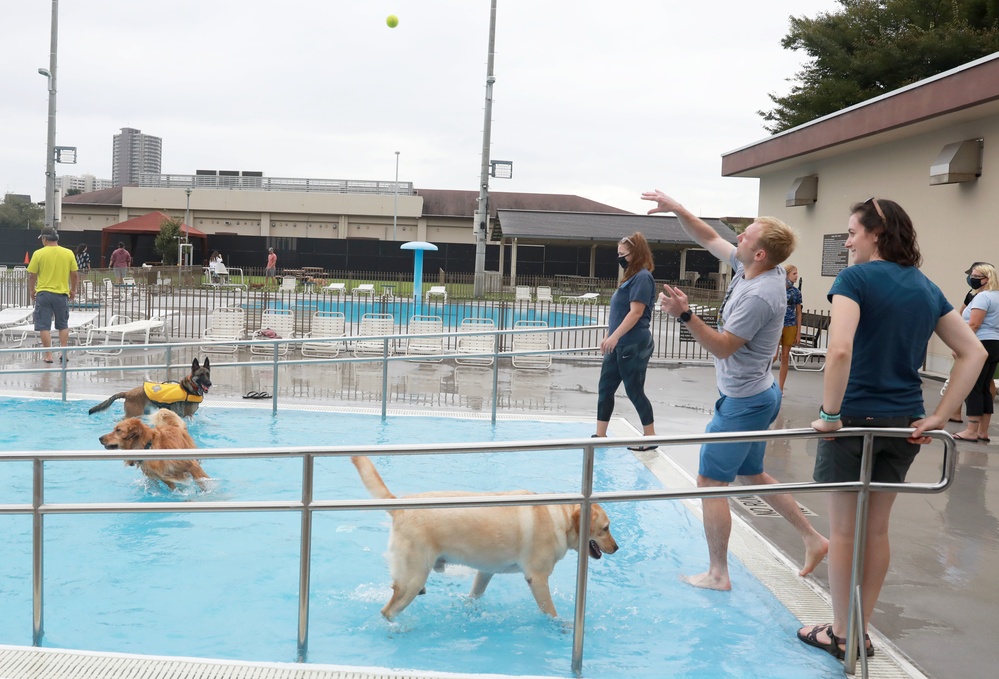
(392, 21)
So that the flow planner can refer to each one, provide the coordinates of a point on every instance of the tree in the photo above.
(17, 213)
(74, 192)
(871, 47)
(168, 239)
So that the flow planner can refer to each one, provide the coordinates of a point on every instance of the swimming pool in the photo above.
(225, 585)
(451, 314)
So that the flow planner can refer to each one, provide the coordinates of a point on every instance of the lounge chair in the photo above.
(522, 293)
(476, 344)
(531, 341)
(375, 324)
(424, 347)
(544, 293)
(121, 328)
(338, 289)
(289, 284)
(438, 291)
(364, 289)
(274, 324)
(585, 298)
(325, 325)
(225, 326)
(15, 316)
(79, 322)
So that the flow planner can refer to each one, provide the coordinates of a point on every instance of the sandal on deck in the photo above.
(832, 647)
(965, 438)
(257, 394)
(641, 449)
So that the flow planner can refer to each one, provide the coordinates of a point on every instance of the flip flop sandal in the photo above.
(951, 419)
(965, 438)
(641, 449)
(257, 394)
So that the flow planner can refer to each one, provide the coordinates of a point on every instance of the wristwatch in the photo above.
(685, 316)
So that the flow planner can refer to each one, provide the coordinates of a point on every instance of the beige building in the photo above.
(932, 146)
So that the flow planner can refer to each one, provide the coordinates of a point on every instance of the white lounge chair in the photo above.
(801, 359)
(119, 329)
(375, 324)
(585, 298)
(426, 348)
(289, 284)
(476, 344)
(522, 293)
(325, 324)
(338, 289)
(15, 315)
(364, 289)
(531, 341)
(438, 291)
(274, 324)
(225, 326)
(544, 293)
(79, 322)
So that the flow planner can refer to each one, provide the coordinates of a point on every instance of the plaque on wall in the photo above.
(835, 256)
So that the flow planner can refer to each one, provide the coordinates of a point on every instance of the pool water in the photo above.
(226, 585)
(451, 314)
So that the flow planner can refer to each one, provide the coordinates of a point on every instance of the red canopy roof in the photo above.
(149, 223)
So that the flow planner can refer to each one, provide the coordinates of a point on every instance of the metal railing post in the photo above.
(496, 350)
(274, 389)
(305, 557)
(37, 552)
(855, 618)
(385, 344)
(582, 562)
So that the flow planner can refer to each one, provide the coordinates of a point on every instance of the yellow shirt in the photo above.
(52, 264)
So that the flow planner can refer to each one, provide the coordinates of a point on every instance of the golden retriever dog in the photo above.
(169, 432)
(528, 540)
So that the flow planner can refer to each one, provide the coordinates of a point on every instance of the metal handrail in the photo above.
(38, 508)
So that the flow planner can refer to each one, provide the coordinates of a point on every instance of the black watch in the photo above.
(685, 316)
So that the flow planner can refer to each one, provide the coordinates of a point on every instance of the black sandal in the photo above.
(832, 648)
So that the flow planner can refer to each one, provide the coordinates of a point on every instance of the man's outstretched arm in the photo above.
(695, 227)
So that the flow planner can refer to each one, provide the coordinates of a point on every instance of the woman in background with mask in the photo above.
(628, 345)
(982, 315)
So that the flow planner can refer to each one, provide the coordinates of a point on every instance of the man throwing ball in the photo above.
(750, 322)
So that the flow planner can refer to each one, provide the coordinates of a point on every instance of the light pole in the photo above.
(395, 197)
(50, 158)
(183, 245)
(481, 217)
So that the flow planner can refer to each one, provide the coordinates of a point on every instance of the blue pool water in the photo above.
(226, 585)
(451, 314)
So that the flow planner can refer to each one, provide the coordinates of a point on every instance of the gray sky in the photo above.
(594, 98)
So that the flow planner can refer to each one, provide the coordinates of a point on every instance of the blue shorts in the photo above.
(49, 305)
(725, 461)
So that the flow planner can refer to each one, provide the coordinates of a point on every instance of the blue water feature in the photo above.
(226, 585)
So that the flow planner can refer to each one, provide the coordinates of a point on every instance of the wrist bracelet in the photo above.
(827, 417)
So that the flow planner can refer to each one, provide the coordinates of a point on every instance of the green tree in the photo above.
(74, 192)
(871, 47)
(17, 213)
(167, 240)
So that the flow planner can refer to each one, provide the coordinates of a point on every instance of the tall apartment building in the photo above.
(84, 183)
(135, 154)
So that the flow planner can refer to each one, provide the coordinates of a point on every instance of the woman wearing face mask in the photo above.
(982, 315)
(628, 345)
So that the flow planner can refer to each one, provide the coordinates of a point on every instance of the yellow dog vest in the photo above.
(168, 392)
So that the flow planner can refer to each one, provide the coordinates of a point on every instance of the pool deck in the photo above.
(934, 615)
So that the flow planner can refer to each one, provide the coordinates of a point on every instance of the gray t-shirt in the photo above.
(754, 311)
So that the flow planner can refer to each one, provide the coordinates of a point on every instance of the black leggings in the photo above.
(979, 401)
(626, 364)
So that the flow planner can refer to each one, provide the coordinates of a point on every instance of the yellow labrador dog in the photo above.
(528, 540)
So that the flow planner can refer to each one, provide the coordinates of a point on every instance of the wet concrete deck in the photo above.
(941, 595)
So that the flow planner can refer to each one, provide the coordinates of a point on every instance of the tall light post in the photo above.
(50, 150)
(184, 244)
(395, 197)
(481, 217)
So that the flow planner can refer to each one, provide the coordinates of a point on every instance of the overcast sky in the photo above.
(594, 98)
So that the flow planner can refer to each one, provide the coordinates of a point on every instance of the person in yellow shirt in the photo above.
(52, 282)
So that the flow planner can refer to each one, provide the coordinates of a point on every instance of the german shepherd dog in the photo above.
(181, 397)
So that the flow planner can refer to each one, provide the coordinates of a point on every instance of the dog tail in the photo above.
(371, 478)
(104, 405)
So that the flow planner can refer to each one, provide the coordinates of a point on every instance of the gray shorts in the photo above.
(270, 273)
(838, 459)
(49, 305)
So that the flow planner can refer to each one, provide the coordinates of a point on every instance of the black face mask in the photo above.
(623, 261)
(975, 283)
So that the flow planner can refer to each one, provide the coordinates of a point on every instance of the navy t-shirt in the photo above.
(899, 308)
(639, 288)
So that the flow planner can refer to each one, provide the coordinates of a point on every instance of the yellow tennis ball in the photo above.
(392, 21)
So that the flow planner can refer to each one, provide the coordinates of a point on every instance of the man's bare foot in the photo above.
(816, 548)
(708, 581)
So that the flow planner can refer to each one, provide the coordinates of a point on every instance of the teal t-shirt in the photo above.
(639, 288)
(899, 308)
